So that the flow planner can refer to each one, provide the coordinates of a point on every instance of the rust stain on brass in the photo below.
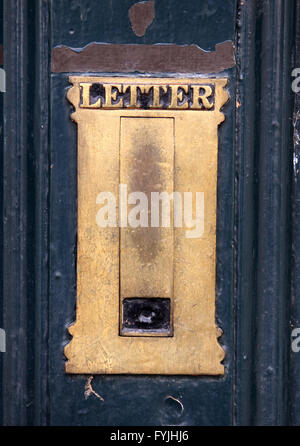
(151, 135)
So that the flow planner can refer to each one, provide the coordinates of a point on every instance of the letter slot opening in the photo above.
(145, 316)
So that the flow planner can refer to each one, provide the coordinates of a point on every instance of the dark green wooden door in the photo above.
(257, 297)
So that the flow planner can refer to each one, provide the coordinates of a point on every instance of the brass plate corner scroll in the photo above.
(146, 281)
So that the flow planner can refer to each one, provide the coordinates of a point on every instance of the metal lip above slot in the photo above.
(146, 316)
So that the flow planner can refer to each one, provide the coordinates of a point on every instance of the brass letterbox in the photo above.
(147, 182)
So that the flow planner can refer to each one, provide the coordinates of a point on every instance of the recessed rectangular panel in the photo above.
(146, 252)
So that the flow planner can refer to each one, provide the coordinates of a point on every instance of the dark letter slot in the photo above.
(146, 315)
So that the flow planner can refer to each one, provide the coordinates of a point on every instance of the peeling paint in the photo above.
(88, 390)
(296, 139)
(170, 397)
(159, 58)
(141, 16)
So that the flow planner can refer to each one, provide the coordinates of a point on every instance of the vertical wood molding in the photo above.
(25, 176)
(42, 166)
(274, 188)
(245, 215)
(264, 182)
(14, 385)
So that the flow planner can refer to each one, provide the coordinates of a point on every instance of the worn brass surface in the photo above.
(114, 263)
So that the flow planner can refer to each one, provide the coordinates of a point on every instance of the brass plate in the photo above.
(119, 141)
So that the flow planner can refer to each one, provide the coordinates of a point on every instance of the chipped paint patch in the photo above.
(159, 58)
(141, 16)
(88, 390)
